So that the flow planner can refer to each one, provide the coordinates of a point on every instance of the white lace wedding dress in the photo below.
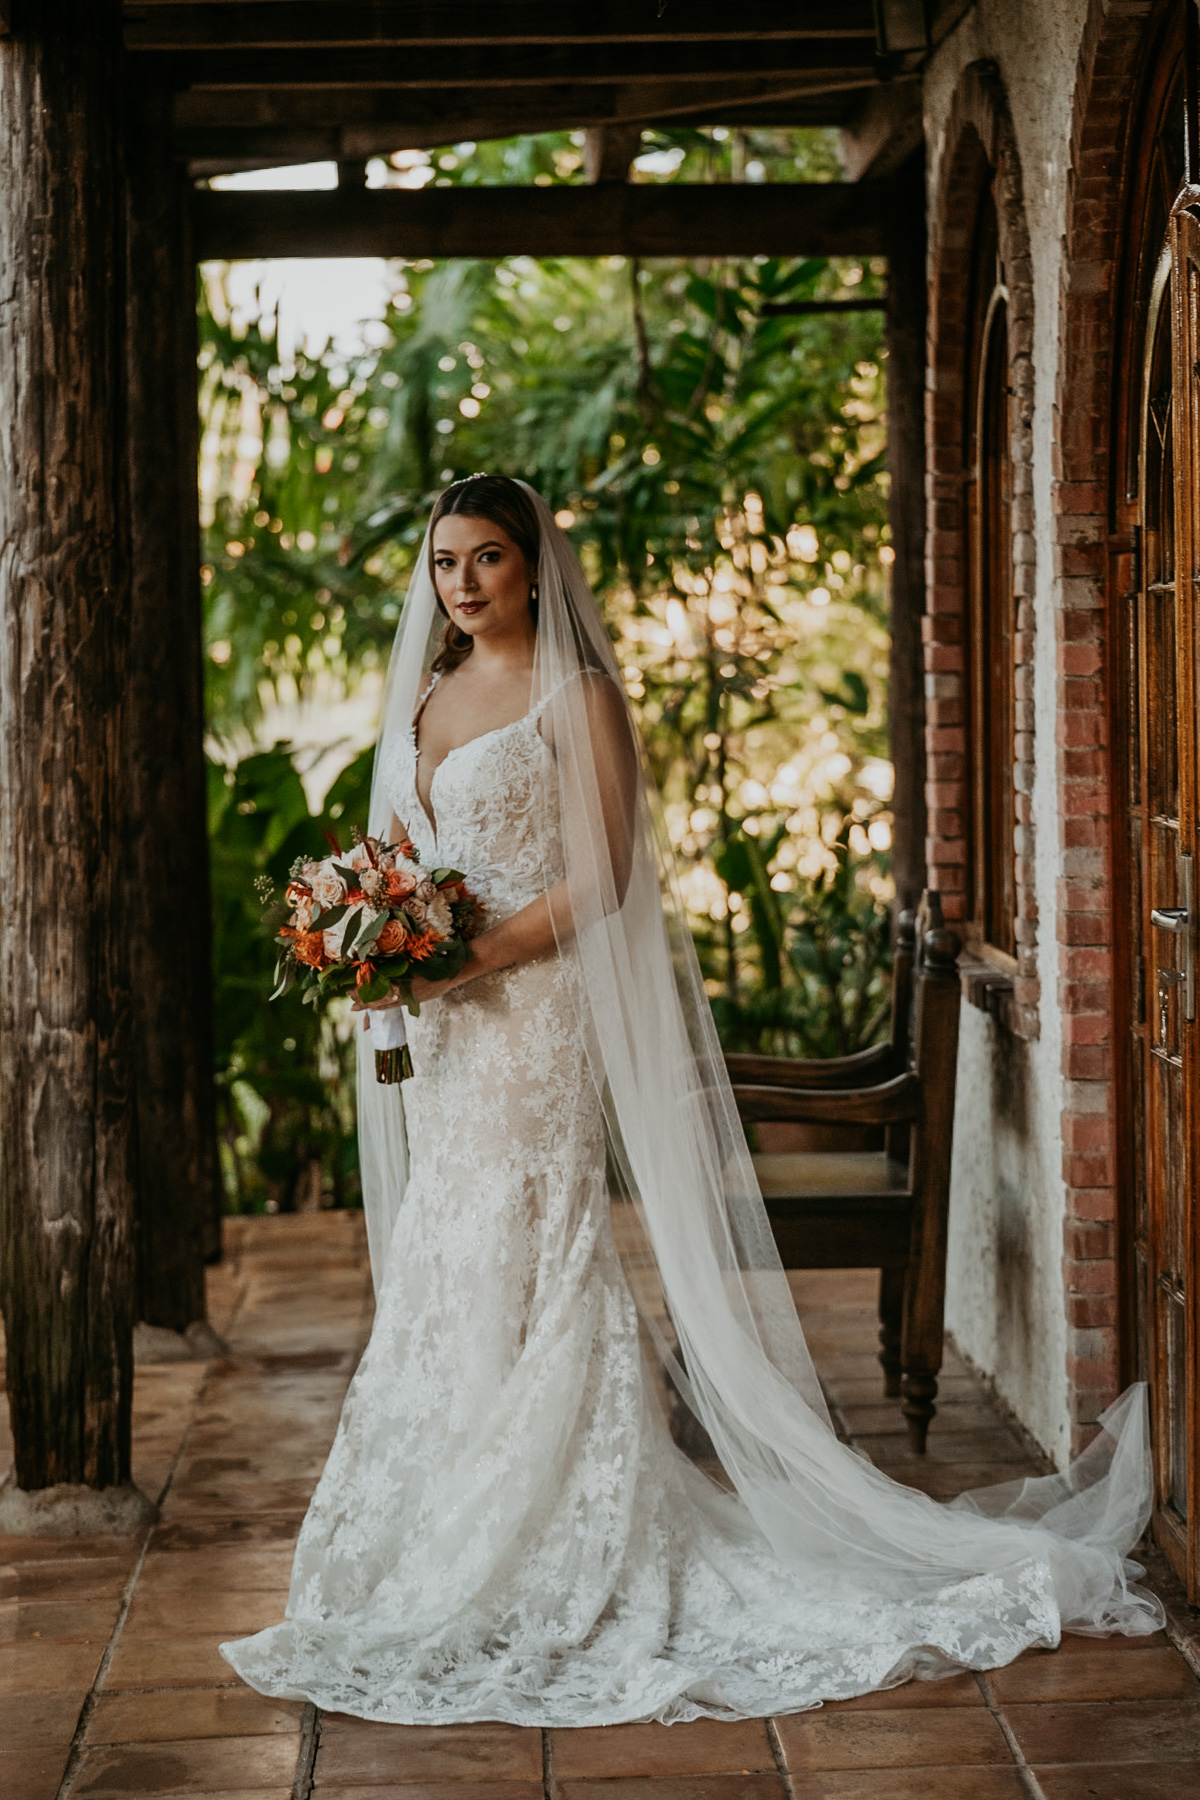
(505, 1528)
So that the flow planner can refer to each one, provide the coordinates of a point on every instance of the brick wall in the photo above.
(980, 149)
(1108, 63)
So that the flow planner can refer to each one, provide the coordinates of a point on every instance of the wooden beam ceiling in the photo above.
(234, 109)
(328, 24)
(499, 66)
(612, 218)
(214, 149)
(239, 128)
(257, 81)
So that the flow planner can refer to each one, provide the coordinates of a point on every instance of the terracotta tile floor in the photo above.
(111, 1685)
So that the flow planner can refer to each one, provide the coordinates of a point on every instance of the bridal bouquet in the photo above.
(368, 920)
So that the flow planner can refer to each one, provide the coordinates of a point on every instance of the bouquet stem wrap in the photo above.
(389, 1038)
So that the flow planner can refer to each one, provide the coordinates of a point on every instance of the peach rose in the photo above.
(391, 939)
(401, 882)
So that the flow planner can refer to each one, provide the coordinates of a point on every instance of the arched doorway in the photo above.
(1156, 779)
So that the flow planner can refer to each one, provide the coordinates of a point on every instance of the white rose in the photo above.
(426, 890)
(328, 888)
(355, 921)
(373, 884)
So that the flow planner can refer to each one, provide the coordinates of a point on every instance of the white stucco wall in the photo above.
(1005, 1300)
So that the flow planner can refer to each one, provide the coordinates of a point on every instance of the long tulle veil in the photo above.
(1051, 1551)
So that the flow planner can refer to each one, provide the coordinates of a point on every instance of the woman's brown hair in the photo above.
(502, 502)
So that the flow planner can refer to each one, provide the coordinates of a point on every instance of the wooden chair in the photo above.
(884, 1209)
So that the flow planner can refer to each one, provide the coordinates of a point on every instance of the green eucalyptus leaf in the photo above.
(325, 920)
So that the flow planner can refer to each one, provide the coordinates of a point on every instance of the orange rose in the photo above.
(391, 939)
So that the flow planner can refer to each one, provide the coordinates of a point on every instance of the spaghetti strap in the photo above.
(575, 675)
(437, 676)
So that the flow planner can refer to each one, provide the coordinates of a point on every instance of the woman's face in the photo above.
(483, 579)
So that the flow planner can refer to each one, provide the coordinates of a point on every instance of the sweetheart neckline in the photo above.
(479, 738)
(492, 731)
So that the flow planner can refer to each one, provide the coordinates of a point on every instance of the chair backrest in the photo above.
(936, 989)
(926, 1038)
(937, 1003)
(903, 964)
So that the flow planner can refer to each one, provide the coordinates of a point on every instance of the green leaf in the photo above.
(853, 694)
(370, 933)
(376, 989)
(285, 977)
(394, 967)
(352, 929)
(324, 920)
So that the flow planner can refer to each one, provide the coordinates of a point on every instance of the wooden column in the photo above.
(178, 1185)
(905, 338)
(66, 1178)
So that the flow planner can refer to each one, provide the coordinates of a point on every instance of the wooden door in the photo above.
(1164, 819)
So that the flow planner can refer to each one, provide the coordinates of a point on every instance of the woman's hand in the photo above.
(422, 990)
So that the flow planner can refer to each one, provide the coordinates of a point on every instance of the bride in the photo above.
(505, 1528)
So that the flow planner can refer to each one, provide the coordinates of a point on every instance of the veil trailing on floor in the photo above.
(1053, 1548)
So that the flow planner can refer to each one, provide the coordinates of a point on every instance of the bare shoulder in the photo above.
(604, 705)
(606, 699)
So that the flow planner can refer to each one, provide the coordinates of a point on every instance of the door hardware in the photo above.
(1180, 921)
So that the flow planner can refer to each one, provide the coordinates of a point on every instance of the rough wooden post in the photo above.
(66, 1187)
(905, 337)
(178, 1187)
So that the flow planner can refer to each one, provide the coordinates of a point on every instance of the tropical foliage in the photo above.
(720, 466)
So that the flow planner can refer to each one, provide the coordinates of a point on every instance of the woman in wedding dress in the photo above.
(505, 1528)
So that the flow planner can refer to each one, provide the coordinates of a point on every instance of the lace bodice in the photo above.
(494, 807)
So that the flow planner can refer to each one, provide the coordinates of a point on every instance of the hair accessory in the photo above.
(479, 475)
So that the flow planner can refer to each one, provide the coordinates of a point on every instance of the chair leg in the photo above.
(919, 1388)
(891, 1311)
(921, 1338)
